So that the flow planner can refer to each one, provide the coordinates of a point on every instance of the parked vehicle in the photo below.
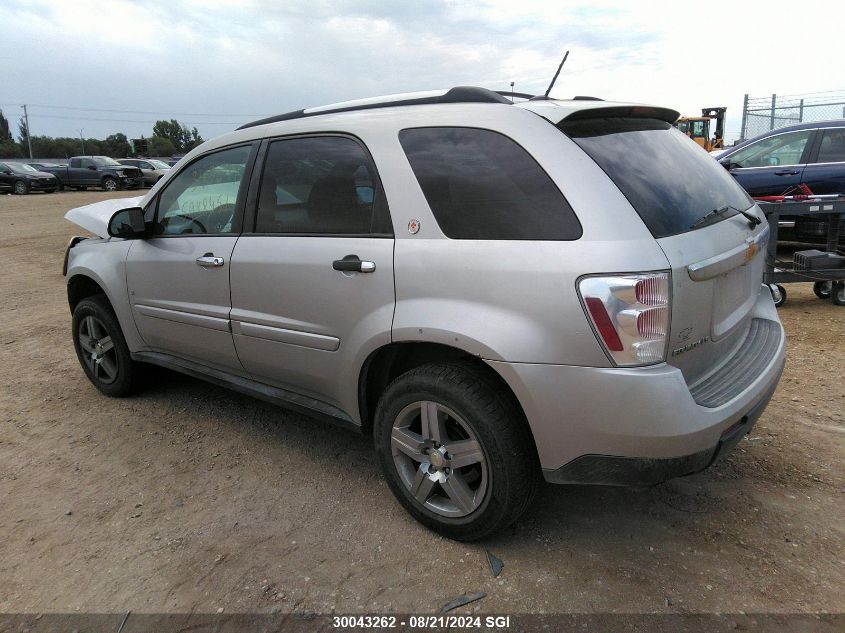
(495, 292)
(152, 170)
(774, 163)
(21, 178)
(698, 128)
(96, 171)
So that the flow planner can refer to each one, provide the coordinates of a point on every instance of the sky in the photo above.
(117, 66)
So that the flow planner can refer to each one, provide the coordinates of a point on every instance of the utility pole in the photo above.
(83, 140)
(28, 134)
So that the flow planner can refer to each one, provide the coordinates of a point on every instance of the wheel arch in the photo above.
(81, 287)
(388, 362)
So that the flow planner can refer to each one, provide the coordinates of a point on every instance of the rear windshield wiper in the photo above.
(753, 220)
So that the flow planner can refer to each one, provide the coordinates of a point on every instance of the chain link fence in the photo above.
(762, 114)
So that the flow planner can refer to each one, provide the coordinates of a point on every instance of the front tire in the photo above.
(110, 184)
(455, 451)
(101, 348)
(21, 187)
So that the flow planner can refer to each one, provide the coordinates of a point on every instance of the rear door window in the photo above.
(323, 185)
(482, 185)
(832, 147)
(668, 179)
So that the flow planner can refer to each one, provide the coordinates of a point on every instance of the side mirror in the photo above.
(92, 167)
(128, 223)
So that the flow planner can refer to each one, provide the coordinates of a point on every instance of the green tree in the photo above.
(5, 132)
(160, 146)
(178, 134)
(23, 132)
(196, 139)
(9, 149)
(116, 145)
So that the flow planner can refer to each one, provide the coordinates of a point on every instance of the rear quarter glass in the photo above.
(482, 185)
(668, 179)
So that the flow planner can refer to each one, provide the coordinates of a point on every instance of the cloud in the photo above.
(218, 58)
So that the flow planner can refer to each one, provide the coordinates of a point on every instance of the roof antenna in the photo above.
(554, 79)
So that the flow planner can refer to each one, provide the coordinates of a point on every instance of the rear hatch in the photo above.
(698, 215)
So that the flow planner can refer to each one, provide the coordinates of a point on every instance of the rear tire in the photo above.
(837, 293)
(101, 348)
(437, 416)
(822, 289)
(21, 187)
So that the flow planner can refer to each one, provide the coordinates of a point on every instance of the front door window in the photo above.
(203, 198)
(774, 151)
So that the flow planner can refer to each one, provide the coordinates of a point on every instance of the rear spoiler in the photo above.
(625, 112)
(558, 111)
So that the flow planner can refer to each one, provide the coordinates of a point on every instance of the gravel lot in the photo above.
(191, 498)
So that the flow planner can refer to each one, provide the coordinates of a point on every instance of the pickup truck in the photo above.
(96, 171)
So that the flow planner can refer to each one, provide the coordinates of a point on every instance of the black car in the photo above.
(82, 172)
(20, 178)
(775, 163)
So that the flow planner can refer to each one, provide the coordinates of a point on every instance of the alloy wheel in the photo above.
(98, 351)
(439, 459)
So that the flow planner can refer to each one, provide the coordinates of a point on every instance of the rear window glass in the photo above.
(481, 185)
(670, 181)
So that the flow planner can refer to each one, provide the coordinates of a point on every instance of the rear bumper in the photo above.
(643, 471)
(640, 425)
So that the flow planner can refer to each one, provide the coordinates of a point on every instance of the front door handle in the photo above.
(787, 172)
(352, 263)
(210, 261)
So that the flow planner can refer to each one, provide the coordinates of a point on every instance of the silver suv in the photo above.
(498, 293)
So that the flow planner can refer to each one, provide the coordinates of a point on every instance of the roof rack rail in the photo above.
(459, 94)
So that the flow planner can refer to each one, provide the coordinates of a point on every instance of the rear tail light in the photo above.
(630, 314)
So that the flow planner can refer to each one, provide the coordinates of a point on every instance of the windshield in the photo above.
(158, 164)
(668, 179)
(21, 168)
(105, 161)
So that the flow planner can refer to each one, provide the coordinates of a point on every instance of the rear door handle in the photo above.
(210, 261)
(352, 263)
(787, 172)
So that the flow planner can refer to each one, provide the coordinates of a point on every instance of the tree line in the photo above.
(168, 138)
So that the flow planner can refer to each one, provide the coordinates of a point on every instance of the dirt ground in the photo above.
(189, 498)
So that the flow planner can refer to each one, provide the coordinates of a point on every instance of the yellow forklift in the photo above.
(698, 127)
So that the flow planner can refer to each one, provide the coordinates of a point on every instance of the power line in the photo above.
(214, 114)
(86, 118)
